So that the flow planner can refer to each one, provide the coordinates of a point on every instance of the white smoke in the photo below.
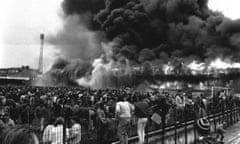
(97, 79)
(102, 69)
(105, 69)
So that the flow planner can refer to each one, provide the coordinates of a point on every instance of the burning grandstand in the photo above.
(109, 43)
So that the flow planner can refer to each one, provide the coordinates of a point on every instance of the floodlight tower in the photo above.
(40, 65)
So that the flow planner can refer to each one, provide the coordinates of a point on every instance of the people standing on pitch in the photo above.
(124, 111)
(102, 122)
(142, 109)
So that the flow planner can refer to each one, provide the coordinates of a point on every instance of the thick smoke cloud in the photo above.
(85, 8)
(65, 73)
(145, 32)
(168, 28)
(76, 41)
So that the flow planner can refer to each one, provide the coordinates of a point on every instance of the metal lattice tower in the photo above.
(40, 65)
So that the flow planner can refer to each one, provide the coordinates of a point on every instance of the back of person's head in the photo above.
(59, 121)
(19, 135)
(100, 105)
(2, 100)
(124, 96)
(147, 100)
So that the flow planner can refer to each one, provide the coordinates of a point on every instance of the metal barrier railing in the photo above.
(176, 130)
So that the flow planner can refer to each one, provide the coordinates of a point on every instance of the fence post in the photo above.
(223, 114)
(147, 131)
(64, 133)
(185, 127)
(236, 108)
(64, 125)
(28, 114)
(228, 114)
(228, 121)
(163, 129)
(236, 113)
(194, 125)
(175, 125)
(231, 118)
(214, 119)
(234, 116)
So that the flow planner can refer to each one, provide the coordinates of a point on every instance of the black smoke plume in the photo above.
(145, 30)
(65, 73)
(148, 29)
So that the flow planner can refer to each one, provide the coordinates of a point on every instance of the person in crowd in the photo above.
(111, 128)
(7, 120)
(85, 113)
(56, 134)
(39, 116)
(161, 106)
(142, 111)
(1, 117)
(18, 135)
(58, 107)
(47, 132)
(25, 102)
(200, 107)
(102, 122)
(124, 111)
(180, 105)
(75, 131)
(3, 100)
(189, 107)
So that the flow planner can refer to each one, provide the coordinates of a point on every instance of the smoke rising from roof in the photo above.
(146, 30)
(177, 28)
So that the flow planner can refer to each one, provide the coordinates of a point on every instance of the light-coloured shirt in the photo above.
(56, 134)
(124, 109)
(180, 102)
(75, 133)
(47, 134)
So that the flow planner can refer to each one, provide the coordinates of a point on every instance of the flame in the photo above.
(167, 68)
(170, 85)
(219, 64)
(196, 67)
(223, 64)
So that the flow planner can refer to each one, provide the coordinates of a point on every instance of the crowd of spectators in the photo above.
(59, 114)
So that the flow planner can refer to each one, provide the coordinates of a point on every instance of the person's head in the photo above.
(22, 99)
(6, 116)
(19, 135)
(124, 96)
(3, 100)
(59, 121)
(147, 100)
(100, 105)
